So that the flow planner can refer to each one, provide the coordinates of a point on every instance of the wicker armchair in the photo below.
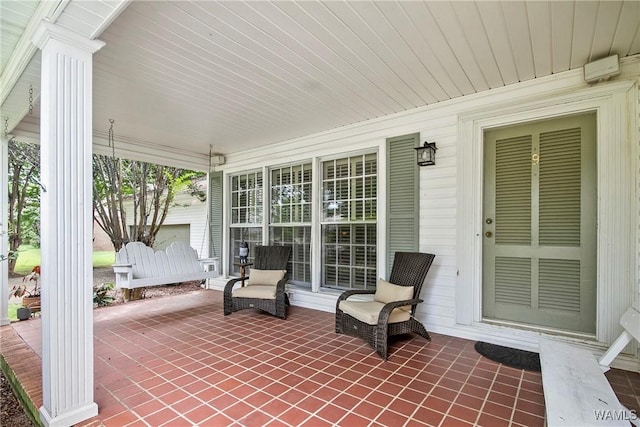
(376, 321)
(267, 297)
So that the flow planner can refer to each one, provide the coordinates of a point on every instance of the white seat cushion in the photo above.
(388, 292)
(265, 277)
(369, 311)
(255, 291)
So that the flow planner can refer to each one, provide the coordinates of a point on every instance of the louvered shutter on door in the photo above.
(402, 195)
(560, 158)
(559, 223)
(513, 191)
(513, 218)
(513, 281)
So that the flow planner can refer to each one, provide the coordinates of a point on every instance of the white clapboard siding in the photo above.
(449, 203)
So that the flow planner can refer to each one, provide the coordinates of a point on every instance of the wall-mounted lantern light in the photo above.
(426, 154)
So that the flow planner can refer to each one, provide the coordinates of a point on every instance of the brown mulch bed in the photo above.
(11, 412)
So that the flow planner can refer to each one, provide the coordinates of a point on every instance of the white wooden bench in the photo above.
(138, 265)
(576, 392)
(630, 322)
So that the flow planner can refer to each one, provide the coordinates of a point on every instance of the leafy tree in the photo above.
(151, 188)
(24, 196)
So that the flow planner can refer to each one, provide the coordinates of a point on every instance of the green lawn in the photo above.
(29, 257)
(13, 311)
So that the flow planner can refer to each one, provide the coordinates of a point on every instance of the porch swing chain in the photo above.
(6, 130)
(6, 119)
(111, 139)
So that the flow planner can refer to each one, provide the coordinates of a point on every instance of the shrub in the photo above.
(103, 294)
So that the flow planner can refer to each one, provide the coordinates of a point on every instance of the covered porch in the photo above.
(272, 88)
(178, 361)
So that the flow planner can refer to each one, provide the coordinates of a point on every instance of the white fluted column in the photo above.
(4, 229)
(66, 226)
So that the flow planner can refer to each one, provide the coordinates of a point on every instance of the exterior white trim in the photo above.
(617, 177)
(66, 221)
(316, 228)
(24, 51)
(135, 150)
(119, 7)
(361, 133)
(4, 229)
(151, 153)
(444, 229)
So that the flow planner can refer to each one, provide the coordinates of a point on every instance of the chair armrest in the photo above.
(346, 294)
(383, 318)
(229, 286)
(124, 275)
(122, 268)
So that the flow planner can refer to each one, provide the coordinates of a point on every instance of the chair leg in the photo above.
(616, 348)
(382, 341)
(339, 327)
(228, 306)
(419, 329)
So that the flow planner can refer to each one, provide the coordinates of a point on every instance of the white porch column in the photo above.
(4, 229)
(66, 227)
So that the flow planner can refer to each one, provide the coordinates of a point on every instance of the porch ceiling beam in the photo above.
(25, 49)
(118, 7)
(23, 55)
(134, 150)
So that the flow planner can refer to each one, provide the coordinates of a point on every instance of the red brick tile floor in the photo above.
(178, 361)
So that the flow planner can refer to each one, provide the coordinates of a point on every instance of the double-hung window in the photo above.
(290, 219)
(346, 220)
(349, 222)
(246, 214)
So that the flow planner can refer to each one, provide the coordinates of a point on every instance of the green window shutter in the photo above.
(402, 195)
(215, 220)
(513, 191)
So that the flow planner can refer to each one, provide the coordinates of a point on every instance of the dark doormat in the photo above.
(519, 359)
